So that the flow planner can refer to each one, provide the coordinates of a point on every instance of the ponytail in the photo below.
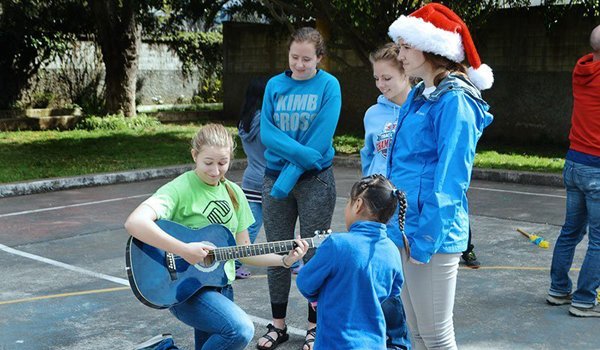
(231, 193)
(402, 206)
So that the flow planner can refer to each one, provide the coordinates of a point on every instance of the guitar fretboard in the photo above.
(237, 252)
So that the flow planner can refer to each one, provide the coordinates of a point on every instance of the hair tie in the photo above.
(395, 192)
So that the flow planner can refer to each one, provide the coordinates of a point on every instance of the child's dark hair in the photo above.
(381, 198)
(253, 102)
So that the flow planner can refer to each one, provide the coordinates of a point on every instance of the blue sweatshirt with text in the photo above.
(380, 125)
(298, 120)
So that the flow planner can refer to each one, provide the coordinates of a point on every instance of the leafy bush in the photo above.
(117, 122)
(202, 51)
(210, 89)
(348, 144)
(42, 100)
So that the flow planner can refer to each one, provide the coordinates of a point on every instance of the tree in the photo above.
(120, 25)
(31, 32)
(119, 34)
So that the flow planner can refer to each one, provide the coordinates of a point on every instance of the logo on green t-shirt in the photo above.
(218, 212)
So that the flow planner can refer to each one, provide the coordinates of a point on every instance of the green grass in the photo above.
(527, 162)
(30, 155)
(547, 158)
(37, 155)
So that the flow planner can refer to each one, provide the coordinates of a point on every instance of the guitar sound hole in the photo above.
(209, 260)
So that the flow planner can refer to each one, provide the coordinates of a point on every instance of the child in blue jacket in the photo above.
(353, 273)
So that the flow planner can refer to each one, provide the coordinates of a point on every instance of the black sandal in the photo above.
(282, 336)
(308, 342)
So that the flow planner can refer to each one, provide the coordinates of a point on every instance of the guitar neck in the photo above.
(244, 251)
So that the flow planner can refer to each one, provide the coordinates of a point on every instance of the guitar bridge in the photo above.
(171, 265)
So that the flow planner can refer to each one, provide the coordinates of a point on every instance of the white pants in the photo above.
(428, 298)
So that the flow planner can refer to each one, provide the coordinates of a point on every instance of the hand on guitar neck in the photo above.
(197, 252)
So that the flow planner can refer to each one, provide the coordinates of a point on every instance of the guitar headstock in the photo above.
(320, 236)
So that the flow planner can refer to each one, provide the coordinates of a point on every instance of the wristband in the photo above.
(283, 262)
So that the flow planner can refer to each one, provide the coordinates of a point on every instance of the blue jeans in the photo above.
(583, 209)
(396, 330)
(254, 229)
(217, 321)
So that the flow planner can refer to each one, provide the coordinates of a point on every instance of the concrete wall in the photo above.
(531, 98)
(159, 73)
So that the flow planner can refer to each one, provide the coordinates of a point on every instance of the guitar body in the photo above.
(160, 279)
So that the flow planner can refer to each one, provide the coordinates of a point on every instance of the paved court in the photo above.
(64, 284)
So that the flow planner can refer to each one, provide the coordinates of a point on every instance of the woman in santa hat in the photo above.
(431, 159)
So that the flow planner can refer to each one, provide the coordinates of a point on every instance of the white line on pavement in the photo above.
(73, 205)
(517, 192)
(63, 265)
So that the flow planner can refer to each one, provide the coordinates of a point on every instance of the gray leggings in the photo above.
(312, 200)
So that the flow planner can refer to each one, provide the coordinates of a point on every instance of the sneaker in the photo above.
(559, 300)
(471, 260)
(242, 273)
(593, 311)
(159, 342)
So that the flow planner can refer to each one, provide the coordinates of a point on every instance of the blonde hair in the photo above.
(389, 53)
(215, 135)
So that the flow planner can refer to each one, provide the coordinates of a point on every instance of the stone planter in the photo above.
(39, 119)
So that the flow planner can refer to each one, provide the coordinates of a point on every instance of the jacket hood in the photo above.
(254, 129)
(452, 82)
(382, 100)
(586, 70)
(457, 82)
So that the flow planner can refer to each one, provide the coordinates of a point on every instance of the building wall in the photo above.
(531, 98)
(159, 73)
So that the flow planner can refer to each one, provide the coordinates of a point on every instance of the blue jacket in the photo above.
(431, 159)
(350, 275)
(255, 151)
(380, 124)
(298, 120)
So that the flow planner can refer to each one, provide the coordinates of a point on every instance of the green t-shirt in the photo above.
(189, 201)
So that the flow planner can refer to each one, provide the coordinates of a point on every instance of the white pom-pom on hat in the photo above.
(436, 29)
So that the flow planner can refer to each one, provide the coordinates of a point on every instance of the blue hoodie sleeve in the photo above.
(367, 153)
(397, 284)
(455, 129)
(319, 135)
(316, 271)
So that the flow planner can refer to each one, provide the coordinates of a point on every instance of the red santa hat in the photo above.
(436, 29)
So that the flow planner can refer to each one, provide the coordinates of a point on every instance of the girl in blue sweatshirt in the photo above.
(353, 273)
(380, 119)
(299, 115)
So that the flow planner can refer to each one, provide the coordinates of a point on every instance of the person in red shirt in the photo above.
(582, 180)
